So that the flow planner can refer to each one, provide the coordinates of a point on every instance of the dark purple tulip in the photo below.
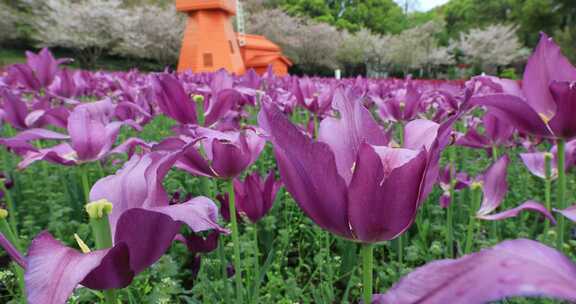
(349, 182)
(513, 268)
(497, 133)
(173, 100)
(227, 154)
(254, 197)
(547, 107)
(403, 105)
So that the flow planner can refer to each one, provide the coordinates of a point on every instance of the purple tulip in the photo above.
(39, 70)
(254, 197)
(403, 104)
(445, 177)
(497, 133)
(227, 154)
(173, 100)
(549, 94)
(349, 182)
(143, 225)
(512, 268)
(91, 133)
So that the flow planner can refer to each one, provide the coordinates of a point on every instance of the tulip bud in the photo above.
(98, 209)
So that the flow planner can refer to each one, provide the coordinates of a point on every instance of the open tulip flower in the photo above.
(497, 133)
(546, 103)
(254, 197)
(38, 72)
(177, 104)
(39, 114)
(219, 154)
(142, 223)
(350, 182)
(91, 135)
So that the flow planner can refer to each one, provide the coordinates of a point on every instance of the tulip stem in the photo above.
(224, 266)
(561, 191)
(547, 187)
(103, 240)
(450, 208)
(476, 197)
(85, 184)
(256, 264)
(102, 237)
(494, 224)
(11, 207)
(316, 123)
(367, 268)
(236, 242)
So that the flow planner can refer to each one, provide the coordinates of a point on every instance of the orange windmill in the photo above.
(210, 42)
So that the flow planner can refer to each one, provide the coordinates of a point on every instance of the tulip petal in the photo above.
(228, 159)
(15, 110)
(345, 135)
(309, 172)
(173, 100)
(526, 206)
(512, 268)
(544, 65)
(516, 111)
(495, 186)
(54, 270)
(14, 254)
(563, 123)
(420, 133)
(382, 206)
(535, 163)
(87, 133)
(569, 212)
(62, 154)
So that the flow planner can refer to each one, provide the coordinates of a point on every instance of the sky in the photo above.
(425, 5)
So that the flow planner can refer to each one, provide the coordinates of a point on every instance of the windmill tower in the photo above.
(209, 40)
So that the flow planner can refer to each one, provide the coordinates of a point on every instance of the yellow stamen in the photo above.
(3, 214)
(545, 118)
(98, 209)
(81, 244)
(477, 185)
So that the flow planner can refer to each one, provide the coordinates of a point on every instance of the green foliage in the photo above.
(380, 16)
